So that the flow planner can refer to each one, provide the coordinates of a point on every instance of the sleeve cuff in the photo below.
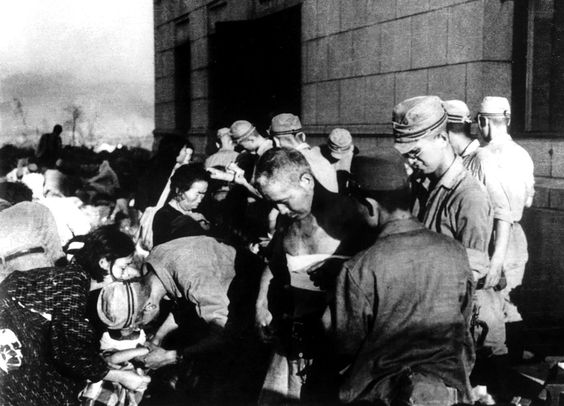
(479, 261)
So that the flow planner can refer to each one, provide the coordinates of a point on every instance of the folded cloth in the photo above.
(299, 265)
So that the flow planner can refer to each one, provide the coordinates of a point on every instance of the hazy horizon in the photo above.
(96, 55)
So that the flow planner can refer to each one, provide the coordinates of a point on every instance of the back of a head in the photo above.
(340, 142)
(224, 137)
(223, 133)
(383, 177)
(281, 164)
(185, 176)
(459, 120)
(118, 304)
(241, 129)
(287, 126)
(497, 109)
(57, 129)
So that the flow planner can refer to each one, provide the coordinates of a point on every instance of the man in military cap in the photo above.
(286, 129)
(339, 151)
(244, 134)
(247, 137)
(514, 168)
(315, 228)
(402, 307)
(459, 124)
(456, 204)
(226, 153)
(481, 164)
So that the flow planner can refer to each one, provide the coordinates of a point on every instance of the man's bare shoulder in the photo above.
(328, 229)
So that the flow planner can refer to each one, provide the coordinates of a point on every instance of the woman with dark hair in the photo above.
(177, 218)
(49, 348)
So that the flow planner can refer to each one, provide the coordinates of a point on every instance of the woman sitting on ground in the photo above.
(178, 218)
(49, 347)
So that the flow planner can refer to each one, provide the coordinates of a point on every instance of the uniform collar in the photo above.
(400, 226)
(470, 148)
(265, 146)
(303, 146)
(450, 177)
(500, 139)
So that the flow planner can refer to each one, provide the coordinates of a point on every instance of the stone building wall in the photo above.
(360, 58)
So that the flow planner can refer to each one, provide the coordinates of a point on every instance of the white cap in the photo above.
(495, 106)
(457, 111)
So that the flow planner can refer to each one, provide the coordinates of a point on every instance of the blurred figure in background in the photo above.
(340, 151)
(286, 129)
(226, 153)
(50, 147)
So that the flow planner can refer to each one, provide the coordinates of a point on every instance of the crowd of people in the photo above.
(270, 272)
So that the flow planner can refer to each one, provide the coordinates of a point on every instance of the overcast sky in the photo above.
(96, 54)
(92, 39)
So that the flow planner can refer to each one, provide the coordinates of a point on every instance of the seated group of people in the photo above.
(288, 274)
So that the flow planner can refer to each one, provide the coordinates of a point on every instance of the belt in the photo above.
(21, 253)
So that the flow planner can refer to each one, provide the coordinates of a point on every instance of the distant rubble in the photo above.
(111, 112)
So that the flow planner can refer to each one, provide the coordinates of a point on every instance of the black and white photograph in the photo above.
(281, 202)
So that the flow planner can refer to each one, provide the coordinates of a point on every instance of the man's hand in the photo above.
(221, 175)
(158, 357)
(117, 358)
(494, 273)
(133, 381)
(239, 174)
(324, 273)
(263, 319)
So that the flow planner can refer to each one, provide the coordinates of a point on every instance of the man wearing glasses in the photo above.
(455, 203)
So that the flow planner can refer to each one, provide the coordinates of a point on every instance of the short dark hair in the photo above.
(185, 176)
(463, 128)
(15, 192)
(499, 120)
(104, 242)
(57, 129)
(391, 200)
(288, 162)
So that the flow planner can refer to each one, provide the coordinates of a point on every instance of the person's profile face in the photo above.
(287, 141)
(425, 157)
(249, 143)
(123, 269)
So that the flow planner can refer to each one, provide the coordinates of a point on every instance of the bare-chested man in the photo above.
(315, 226)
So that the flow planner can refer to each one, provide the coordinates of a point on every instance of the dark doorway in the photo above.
(256, 69)
(538, 68)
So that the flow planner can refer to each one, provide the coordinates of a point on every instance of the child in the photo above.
(120, 344)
